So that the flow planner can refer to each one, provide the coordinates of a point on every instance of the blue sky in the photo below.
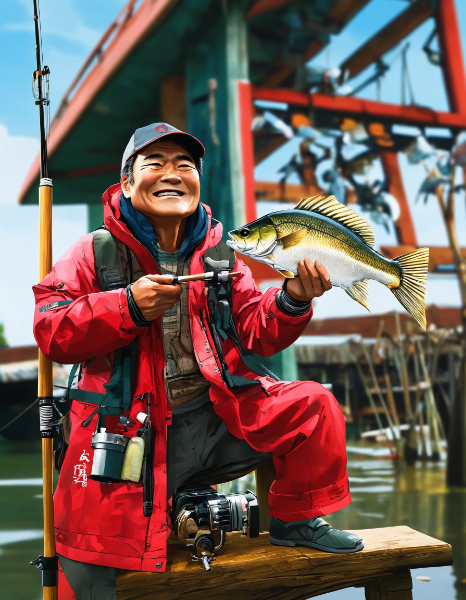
(70, 29)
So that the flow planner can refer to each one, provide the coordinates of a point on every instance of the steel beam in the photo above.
(363, 109)
(451, 54)
(341, 13)
(388, 37)
(404, 226)
(263, 6)
(247, 149)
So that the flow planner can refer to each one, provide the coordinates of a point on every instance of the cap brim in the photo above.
(188, 141)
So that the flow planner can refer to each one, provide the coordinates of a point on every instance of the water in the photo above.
(21, 536)
(384, 494)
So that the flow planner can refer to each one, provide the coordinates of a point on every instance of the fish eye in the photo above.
(244, 232)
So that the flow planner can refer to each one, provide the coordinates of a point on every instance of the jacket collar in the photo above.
(113, 223)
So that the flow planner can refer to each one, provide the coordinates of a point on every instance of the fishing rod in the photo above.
(48, 562)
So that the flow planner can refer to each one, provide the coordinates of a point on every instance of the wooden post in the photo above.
(456, 458)
(265, 476)
(398, 586)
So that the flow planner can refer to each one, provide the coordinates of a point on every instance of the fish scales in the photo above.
(345, 256)
(324, 230)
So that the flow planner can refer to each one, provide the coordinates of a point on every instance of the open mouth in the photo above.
(168, 193)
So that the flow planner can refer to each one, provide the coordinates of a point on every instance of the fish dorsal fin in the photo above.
(360, 292)
(328, 206)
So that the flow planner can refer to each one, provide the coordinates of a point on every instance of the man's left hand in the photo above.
(312, 281)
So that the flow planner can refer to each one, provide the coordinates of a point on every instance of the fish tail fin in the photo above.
(412, 289)
(360, 292)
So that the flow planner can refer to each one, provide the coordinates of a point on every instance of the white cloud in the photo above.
(16, 156)
(58, 18)
(19, 239)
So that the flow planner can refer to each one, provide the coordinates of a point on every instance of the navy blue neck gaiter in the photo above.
(196, 229)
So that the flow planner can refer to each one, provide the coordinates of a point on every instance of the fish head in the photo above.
(256, 239)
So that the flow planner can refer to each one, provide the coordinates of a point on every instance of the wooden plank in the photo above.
(18, 354)
(387, 37)
(368, 326)
(263, 571)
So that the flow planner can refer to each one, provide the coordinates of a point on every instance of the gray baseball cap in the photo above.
(146, 135)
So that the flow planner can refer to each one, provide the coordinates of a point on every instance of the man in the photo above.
(205, 431)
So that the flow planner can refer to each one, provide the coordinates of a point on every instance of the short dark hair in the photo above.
(129, 168)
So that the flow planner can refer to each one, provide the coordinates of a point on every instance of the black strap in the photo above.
(219, 300)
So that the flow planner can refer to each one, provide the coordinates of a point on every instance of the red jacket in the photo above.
(103, 523)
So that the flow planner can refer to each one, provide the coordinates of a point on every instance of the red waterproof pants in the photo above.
(302, 425)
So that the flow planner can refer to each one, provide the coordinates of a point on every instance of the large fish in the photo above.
(323, 229)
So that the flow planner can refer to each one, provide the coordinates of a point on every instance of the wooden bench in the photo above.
(253, 569)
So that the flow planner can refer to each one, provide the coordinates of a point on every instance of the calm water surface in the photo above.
(384, 494)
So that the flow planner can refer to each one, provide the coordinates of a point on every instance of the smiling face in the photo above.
(166, 182)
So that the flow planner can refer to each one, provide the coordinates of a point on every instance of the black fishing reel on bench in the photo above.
(199, 513)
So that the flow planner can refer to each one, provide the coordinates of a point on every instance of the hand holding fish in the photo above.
(312, 281)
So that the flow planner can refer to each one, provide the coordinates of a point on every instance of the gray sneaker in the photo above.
(315, 533)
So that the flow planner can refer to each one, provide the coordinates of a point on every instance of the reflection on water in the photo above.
(384, 494)
(387, 494)
(20, 520)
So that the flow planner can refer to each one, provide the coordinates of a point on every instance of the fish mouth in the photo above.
(253, 250)
(233, 243)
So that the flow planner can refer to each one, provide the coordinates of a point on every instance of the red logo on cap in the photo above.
(161, 128)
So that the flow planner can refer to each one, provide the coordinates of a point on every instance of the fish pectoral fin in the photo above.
(286, 273)
(360, 292)
(293, 239)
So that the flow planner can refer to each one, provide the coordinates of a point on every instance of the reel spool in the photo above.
(199, 511)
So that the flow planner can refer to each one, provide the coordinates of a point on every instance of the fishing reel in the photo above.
(199, 513)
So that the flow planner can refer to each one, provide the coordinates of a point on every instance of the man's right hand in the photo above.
(154, 294)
